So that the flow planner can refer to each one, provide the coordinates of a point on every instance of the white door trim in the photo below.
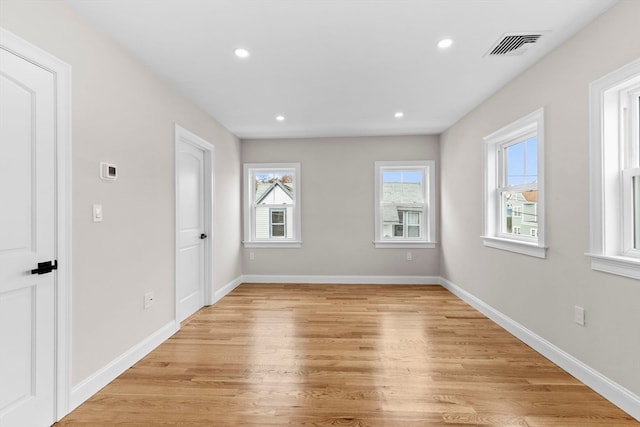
(62, 76)
(184, 136)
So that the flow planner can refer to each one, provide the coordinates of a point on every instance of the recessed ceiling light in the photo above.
(445, 43)
(241, 53)
(398, 115)
(280, 118)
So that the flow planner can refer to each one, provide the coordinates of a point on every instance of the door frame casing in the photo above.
(62, 76)
(183, 136)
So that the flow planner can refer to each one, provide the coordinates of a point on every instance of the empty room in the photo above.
(319, 212)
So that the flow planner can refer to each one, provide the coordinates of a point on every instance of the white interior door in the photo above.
(192, 230)
(27, 237)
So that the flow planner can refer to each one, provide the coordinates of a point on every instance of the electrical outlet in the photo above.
(252, 256)
(148, 300)
(578, 315)
(409, 256)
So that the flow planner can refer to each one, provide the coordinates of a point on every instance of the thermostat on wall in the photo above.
(108, 172)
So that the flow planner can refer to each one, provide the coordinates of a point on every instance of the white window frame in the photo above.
(250, 240)
(495, 145)
(614, 162)
(428, 217)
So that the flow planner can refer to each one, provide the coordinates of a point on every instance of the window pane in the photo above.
(507, 213)
(274, 188)
(277, 231)
(529, 211)
(413, 217)
(402, 186)
(636, 189)
(398, 229)
(636, 212)
(407, 223)
(262, 222)
(522, 162)
(520, 213)
(637, 142)
(277, 217)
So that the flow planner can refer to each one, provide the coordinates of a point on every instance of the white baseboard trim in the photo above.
(358, 280)
(104, 376)
(221, 293)
(610, 390)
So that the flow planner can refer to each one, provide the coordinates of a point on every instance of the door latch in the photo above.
(45, 267)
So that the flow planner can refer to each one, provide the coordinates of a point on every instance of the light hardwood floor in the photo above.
(344, 355)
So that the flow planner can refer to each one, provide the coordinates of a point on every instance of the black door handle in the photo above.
(203, 236)
(45, 267)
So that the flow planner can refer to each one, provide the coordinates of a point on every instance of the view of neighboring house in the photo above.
(402, 207)
(274, 209)
(522, 214)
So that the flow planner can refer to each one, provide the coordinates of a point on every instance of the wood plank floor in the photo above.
(344, 355)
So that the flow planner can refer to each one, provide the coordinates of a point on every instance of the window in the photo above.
(409, 224)
(513, 187)
(615, 172)
(278, 222)
(516, 210)
(272, 205)
(404, 210)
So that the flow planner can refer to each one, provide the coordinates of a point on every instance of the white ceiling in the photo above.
(335, 67)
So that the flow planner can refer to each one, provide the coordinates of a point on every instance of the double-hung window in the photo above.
(278, 222)
(272, 205)
(513, 187)
(615, 172)
(404, 210)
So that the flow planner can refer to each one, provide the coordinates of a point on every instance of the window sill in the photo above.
(385, 244)
(524, 248)
(288, 244)
(622, 266)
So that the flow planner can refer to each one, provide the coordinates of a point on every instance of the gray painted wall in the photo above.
(124, 114)
(337, 194)
(541, 294)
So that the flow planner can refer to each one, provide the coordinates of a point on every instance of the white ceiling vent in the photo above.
(513, 44)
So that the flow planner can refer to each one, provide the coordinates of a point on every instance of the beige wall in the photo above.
(541, 294)
(337, 182)
(124, 114)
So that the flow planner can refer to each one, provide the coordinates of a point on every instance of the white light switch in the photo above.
(578, 315)
(97, 213)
